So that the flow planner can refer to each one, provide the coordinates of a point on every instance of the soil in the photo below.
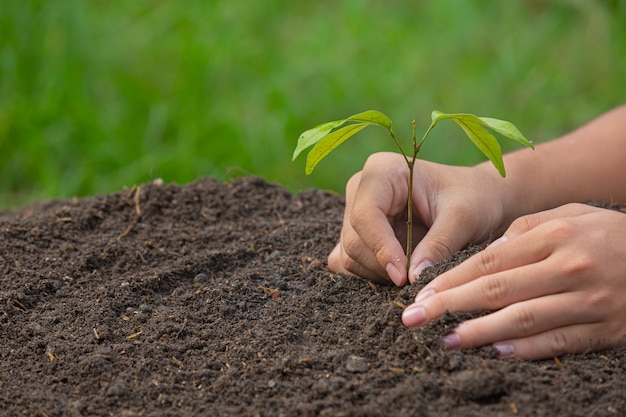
(214, 299)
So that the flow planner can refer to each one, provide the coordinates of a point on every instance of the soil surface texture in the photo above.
(214, 299)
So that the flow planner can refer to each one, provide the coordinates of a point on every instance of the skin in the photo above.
(555, 275)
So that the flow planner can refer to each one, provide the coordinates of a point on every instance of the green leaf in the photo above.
(473, 126)
(507, 129)
(314, 135)
(372, 117)
(330, 142)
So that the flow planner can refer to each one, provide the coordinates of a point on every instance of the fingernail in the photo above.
(394, 274)
(424, 295)
(413, 315)
(421, 266)
(452, 340)
(505, 349)
(498, 241)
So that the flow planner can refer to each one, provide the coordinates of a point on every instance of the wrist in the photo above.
(506, 196)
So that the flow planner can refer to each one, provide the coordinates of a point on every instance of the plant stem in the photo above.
(409, 203)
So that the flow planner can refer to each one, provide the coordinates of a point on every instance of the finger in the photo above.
(375, 202)
(525, 319)
(580, 338)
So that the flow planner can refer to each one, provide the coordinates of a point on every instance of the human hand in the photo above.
(452, 206)
(556, 280)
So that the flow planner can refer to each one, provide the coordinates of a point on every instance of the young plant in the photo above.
(327, 136)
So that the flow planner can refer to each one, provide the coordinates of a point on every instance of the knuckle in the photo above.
(358, 217)
(372, 159)
(494, 290)
(558, 342)
(561, 229)
(441, 246)
(522, 224)
(486, 263)
(580, 264)
(599, 300)
(353, 183)
(525, 321)
(352, 266)
(352, 246)
(380, 158)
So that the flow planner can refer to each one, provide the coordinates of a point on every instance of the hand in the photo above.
(556, 281)
(452, 206)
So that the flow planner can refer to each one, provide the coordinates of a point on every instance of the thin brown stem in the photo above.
(409, 217)
(409, 203)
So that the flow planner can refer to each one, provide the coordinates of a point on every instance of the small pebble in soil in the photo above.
(315, 265)
(117, 389)
(145, 308)
(357, 364)
(477, 384)
(200, 278)
(273, 256)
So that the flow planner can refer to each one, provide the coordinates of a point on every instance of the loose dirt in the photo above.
(215, 299)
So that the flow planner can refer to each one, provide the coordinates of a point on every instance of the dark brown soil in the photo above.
(214, 299)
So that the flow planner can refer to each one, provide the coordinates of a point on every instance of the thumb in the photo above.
(448, 234)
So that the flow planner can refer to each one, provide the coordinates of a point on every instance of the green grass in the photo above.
(96, 96)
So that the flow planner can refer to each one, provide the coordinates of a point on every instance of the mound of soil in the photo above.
(215, 299)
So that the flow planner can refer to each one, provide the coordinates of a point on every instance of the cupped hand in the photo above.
(556, 282)
(451, 207)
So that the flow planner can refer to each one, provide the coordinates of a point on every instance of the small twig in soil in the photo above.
(272, 292)
(19, 305)
(137, 200)
(178, 362)
(559, 363)
(137, 214)
(430, 352)
(134, 335)
(129, 228)
(182, 328)
(372, 286)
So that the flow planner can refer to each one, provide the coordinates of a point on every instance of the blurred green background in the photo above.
(99, 95)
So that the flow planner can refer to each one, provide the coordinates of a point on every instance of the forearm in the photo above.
(586, 164)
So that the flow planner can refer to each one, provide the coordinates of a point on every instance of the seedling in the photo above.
(327, 136)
